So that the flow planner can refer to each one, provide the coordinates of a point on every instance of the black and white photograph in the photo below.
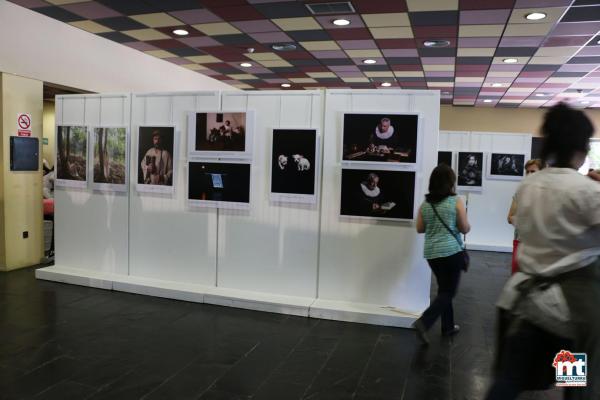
(470, 171)
(219, 185)
(293, 165)
(506, 166)
(71, 156)
(219, 134)
(155, 158)
(380, 138)
(445, 157)
(378, 194)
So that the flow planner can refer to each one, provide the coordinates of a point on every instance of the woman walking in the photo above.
(442, 217)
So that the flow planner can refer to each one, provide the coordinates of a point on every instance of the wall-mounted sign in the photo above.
(23, 124)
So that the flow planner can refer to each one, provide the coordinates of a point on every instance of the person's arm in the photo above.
(420, 222)
(595, 175)
(169, 169)
(512, 212)
(144, 166)
(461, 217)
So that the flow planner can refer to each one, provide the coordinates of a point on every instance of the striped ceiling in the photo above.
(553, 59)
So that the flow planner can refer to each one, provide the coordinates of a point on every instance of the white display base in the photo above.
(160, 288)
(489, 247)
(362, 313)
(257, 301)
(81, 277)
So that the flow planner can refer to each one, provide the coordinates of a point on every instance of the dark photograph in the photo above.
(380, 138)
(378, 194)
(155, 155)
(220, 132)
(71, 159)
(445, 157)
(222, 182)
(470, 168)
(293, 161)
(511, 165)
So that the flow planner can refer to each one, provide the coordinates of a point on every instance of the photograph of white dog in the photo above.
(293, 161)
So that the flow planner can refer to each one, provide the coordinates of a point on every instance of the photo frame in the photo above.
(156, 166)
(71, 156)
(469, 171)
(110, 158)
(446, 157)
(224, 185)
(380, 194)
(381, 139)
(505, 166)
(294, 165)
(220, 134)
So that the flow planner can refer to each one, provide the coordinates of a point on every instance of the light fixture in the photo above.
(510, 60)
(283, 47)
(487, 101)
(181, 32)
(598, 42)
(286, 85)
(369, 61)
(245, 65)
(386, 84)
(341, 22)
(535, 16)
(436, 43)
(540, 94)
(585, 102)
(496, 85)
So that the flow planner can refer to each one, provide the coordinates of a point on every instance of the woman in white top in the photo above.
(552, 303)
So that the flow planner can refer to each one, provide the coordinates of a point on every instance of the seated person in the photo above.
(370, 197)
(386, 141)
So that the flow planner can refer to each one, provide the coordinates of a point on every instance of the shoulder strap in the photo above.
(443, 223)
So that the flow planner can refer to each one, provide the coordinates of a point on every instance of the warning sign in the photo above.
(24, 124)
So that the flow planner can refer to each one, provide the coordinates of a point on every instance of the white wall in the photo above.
(39, 47)
(488, 209)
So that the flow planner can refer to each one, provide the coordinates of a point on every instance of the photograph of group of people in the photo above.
(221, 135)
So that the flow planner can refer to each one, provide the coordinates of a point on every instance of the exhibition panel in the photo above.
(367, 266)
(91, 230)
(488, 206)
(167, 241)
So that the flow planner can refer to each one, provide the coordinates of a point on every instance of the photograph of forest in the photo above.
(72, 153)
(110, 151)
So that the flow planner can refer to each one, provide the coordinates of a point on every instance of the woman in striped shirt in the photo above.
(442, 218)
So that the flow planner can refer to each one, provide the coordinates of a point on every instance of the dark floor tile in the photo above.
(66, 390)
(41, 379)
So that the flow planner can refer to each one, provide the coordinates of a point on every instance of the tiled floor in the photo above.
(68, 342)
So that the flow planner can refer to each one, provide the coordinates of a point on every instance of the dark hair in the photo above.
(441, 184)
(566, 131)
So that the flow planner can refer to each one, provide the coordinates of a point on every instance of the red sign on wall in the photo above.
(24, 124)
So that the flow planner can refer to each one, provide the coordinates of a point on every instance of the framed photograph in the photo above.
(381, 139)
(225, 134)
(155, 162)
(109, 159)
(592, 161)
(446, 157)
(378, 194)
(71, 156)
(294, 165)
(506, 166)
(536, 147)
(219, 184)
(470, 171)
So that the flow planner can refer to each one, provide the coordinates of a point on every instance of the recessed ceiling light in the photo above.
(497, 85)
(436, 43)
(585, 102)
(245, 65)
(487, 101)
(283, 47)
(341, 22)
(386, 84)
(181, 32)
(510, 60)
(369, 61)
(540, 94)
(598, 42)
(535, 16)
(286, 85)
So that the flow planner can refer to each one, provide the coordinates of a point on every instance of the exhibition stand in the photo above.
(292, 254)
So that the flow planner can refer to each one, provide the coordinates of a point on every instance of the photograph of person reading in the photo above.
(380, 138)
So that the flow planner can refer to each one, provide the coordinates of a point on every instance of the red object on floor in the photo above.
(515, 263)
(48, 206)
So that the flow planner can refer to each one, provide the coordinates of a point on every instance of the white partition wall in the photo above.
(302, 259)
(488, 209)
(369, 269)
(91, 232)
